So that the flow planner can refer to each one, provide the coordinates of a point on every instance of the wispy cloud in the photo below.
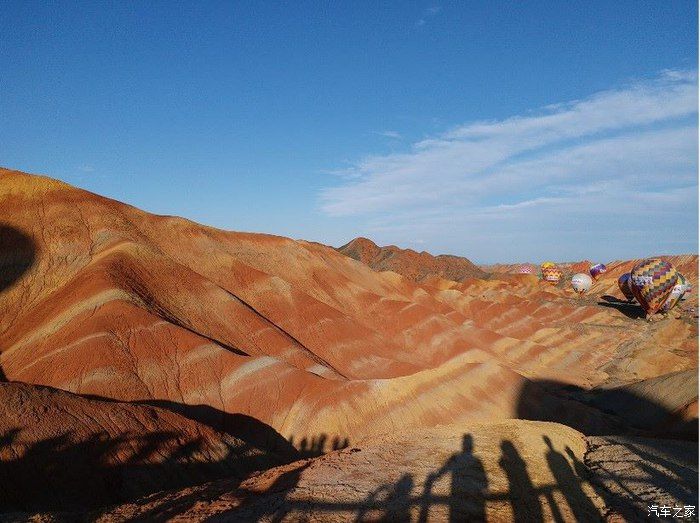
(390, 134)
(427, 14)
(628, 154)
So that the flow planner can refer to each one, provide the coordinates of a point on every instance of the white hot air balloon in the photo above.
(581, 283)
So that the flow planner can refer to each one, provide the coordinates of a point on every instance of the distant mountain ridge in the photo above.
(569, 266)
(416, 266)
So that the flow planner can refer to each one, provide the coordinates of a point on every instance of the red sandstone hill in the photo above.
(64, 452)
(276, 342)
(416, 266)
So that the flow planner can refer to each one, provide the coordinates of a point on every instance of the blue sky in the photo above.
(496, 131)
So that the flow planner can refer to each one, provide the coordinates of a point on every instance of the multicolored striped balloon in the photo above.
(526, 268)
(677, 293)
(624, 283)
(651, 281)
(551, 274)
(597, 270)
(581, 283)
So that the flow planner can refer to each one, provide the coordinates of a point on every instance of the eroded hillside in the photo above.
(278, 342)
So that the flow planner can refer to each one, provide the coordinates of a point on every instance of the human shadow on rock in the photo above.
(74, 471)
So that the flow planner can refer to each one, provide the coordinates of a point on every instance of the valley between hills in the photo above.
(157, 369)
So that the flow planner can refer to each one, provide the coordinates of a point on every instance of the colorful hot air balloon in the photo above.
(624, 283)
(548, 264)
(651, 281)
(581, 283)
(551, 274)
(596, 270)
(526, 268)
(677, 293)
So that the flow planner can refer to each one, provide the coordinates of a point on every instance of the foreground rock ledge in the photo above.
(536, 470)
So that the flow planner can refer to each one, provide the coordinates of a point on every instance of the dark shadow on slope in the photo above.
(631, 474)
(59, 473)
(241, 426)
(78, 472)
(527, 505)
(570, 485)
(314, 446)
(631, 310)
(659, 467)
(602, 412)
(623, 505)
(17, 255)
(468, 485)
(456, 491)
(462, 474)
(85, 468)
(615, 299)
(73, 472)
(3, 378)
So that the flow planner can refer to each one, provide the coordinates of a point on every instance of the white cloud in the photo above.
(428, 13)
(390, 134)
(623, 154)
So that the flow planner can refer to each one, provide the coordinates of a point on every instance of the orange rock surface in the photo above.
(102, 299)
(65, 452)
(416, 266)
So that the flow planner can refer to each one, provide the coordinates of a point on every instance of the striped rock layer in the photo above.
(100, 298)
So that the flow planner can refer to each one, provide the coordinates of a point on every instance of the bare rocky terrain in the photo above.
(155, 368)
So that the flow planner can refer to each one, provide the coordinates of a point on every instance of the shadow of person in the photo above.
(371, 502)
(285, 483)
(523, 497)
(17, 255)
(620, 504)
(570, 485)
(398, 506)
(468, 486)
(340, 443)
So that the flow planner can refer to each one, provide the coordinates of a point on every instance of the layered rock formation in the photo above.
(59, 451)
(416, 266)
(280, 343)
